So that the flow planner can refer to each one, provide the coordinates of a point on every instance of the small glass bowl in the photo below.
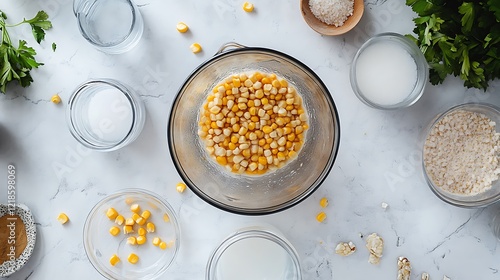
(417, 56)
(105, 115)
(100, 245)
(256, 253)
(466, 201)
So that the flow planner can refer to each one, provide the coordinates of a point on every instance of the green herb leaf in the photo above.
(460, 38)
(54, 46)
(17, 62)
(467, 10)
(494, 6)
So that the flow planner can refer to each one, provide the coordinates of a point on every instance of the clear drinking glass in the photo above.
(105, 114)
(112, 26)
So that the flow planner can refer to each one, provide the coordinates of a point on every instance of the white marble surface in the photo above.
(378, 161)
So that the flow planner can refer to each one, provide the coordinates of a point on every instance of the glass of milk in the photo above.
(389, 72)
(105, 114)
(112, 26)
(254, 253)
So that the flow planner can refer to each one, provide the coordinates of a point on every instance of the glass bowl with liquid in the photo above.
(389, 72)
(254, 253)
(105, 115)
(112, 26)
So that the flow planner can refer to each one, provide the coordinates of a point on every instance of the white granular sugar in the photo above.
(332, 12)
(461, 153)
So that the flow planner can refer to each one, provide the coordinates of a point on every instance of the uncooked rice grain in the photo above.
(461, 153)
(332, 12)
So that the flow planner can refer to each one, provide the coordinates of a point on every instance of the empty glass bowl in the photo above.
(100, 245)
(253, 194)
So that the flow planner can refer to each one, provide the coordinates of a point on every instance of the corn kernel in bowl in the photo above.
(252, 123)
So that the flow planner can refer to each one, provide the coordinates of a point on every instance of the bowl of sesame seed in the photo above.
(253, 131)
(461, 154)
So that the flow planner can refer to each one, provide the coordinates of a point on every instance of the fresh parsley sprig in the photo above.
(17, 62)
(460, 38)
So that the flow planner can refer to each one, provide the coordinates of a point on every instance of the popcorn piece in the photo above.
(425, 276)
(375, 245)
(404, 268)
(345, 249)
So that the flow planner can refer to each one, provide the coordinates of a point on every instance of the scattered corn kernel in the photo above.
(114, 260)
(63, 218)
(182, 27)
(141, 239)
(119, 220)
(129, 200)
(166, 218)
(133, 258)
(56, 99)
(323, 202)
(321, 217)
(111, 213)
(146, 214)
(150, 227)
(135, 208)
(195, 48)
(180, 187)
(114, 230)
(248, 7)
(141, 231)
(163, 245)
(156, 241)
(128, 229)
(132, 240)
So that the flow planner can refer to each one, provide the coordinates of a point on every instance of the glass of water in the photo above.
(105, 114)
(112, 26)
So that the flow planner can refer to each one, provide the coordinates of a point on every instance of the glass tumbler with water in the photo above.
(112, 26)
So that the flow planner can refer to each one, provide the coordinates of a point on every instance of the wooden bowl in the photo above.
(331, 30)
